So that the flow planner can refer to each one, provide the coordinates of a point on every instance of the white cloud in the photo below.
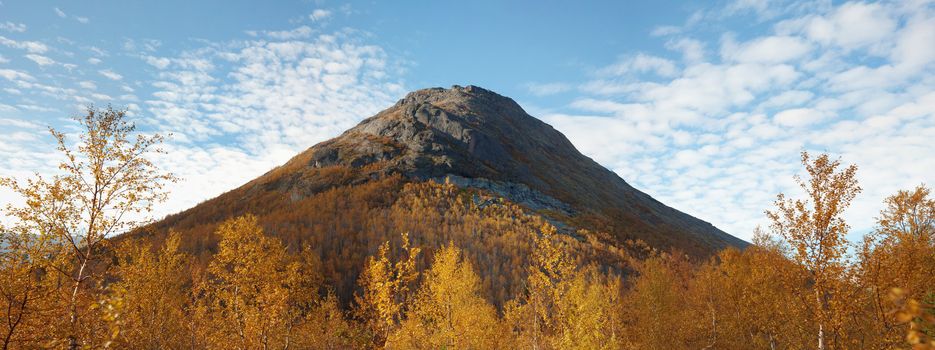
(593, 135)
(40, 60)
(720, 136)
(94, 60)
(239, 108)
(59, 12)
(798, 117)
(707, 88)
(319, 14)
(146, 45)
(90, 85)
(788, 98)
(97, 51)
(82, 20)
(766, 10)
(15, 75)
(158, 62)
(692, 50)
(546, 89)
(665, 30)
(13, 27)
(757, 6)
(771, 49)
(109, 74)
(914, 48)
(100, 97)
(302, 32)
(29, 46)
(852, 25)
(36, 108)
(641, 63)
(23, 124)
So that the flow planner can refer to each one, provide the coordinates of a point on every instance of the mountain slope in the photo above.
(477, 138)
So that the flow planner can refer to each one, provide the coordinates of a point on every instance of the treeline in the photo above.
(472, 272)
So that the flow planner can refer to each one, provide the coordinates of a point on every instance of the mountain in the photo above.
(477, 138)
(485, 148)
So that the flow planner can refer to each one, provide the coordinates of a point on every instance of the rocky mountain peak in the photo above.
(466, 131)
(455, 93)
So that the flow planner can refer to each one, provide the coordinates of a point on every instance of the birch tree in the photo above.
(815, 229)
(105, 186)
(387, 288)
(449, 311)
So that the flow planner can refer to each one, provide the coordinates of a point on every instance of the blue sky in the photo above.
(704, 105)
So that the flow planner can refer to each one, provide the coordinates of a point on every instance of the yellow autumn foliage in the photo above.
(507, 278)
(449, 311)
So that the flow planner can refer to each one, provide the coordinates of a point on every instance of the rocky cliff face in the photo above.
(476, 138)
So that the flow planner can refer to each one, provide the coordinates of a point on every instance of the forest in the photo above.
(397, 264)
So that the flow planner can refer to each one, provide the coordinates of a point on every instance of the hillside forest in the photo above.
(399, 264)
